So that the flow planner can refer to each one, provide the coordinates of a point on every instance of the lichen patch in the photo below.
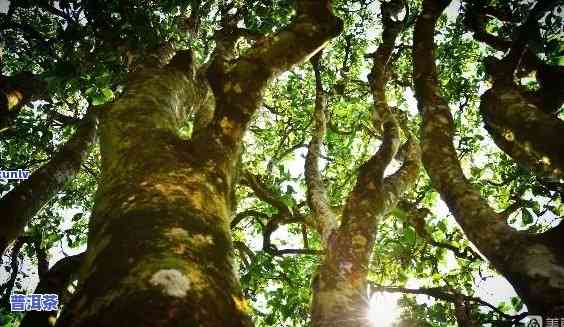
(171, 281)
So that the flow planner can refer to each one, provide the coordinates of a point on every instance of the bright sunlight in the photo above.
(383, 310)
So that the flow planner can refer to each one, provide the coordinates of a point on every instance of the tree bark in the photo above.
(533, 264)
(22, 203)
(530, 136)
(340, 295)
(173, 266)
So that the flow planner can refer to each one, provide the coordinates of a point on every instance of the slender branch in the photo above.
(264, 193)
(416, 218)
(445, 295)
(257, 215)
(324, 218)
(7, 288)
(479, 221)
(298, 251)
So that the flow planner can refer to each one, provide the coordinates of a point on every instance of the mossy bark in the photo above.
(159, 250)
(340, 295)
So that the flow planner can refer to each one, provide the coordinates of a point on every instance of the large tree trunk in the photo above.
(533, 264)
(159, 249)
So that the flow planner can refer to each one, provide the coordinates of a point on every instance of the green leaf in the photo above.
(107, 93)
(409, 235)
(526, 217)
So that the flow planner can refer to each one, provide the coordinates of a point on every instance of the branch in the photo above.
(416, 218)
(17, 91)
(549, 98)
(23, 202)
(249, 213)
(244, 252)
(7, 288)
(324, 218)
(528, 135)
(298, 251)
(445, 295)
(263, 192)
(399, 182)
(238, 85)
(478, 220)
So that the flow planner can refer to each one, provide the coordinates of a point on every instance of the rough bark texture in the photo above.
(15, 92)
(533, 264)
(173, 266)
(530, 136)
(21, 204)
(339, 286)
(172, 197)
(55, 281)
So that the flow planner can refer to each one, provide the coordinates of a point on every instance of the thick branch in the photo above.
(478, 220)
(530, 136)
(238, 85)
(21, 204)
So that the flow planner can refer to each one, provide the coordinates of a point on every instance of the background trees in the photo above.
(490, 116)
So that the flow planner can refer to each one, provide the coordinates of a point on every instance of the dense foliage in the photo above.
(83, 52)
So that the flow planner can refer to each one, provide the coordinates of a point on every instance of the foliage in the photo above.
(79, 51)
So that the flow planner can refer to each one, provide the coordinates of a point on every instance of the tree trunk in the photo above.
(159, 250)
(340, 295)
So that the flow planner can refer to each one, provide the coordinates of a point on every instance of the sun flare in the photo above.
(383, 309)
